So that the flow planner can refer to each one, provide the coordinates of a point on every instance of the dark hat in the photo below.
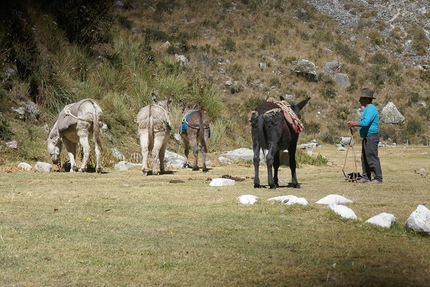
(367, 93)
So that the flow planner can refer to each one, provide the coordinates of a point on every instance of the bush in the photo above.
(229, 44)
(413, 127)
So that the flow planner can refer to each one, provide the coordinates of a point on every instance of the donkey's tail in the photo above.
(150, 125)
(258, 135)
(202, 133)
(261, 135)
(97, 121)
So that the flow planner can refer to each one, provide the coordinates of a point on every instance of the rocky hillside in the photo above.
(328, 50)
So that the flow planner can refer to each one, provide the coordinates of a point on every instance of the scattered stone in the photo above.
(124, 165)
(419, 220)
(247, 199)
(343, 211)
(117, 154)
(222, 182)
(174, 160)
(290, 200)
(334, 199)
(12, 144)
(43, 167)
(25, 166)
(383, 219)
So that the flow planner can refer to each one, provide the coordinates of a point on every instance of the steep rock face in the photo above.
(393, 19)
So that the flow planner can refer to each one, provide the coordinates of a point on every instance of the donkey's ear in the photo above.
(154, 97)
(303, 103)
(47, 128)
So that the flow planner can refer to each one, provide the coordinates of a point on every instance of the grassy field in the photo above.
(123, 229)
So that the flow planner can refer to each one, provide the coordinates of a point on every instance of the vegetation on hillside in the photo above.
(56, 52)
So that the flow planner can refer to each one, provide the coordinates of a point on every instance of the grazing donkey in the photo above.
(75, 123)
(275, 129)
(195, 131)
(154, 132)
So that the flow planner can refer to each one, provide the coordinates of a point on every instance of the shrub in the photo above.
(229, 44)
(379, 59)
(413, 127)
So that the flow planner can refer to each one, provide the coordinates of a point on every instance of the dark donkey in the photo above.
(272, 132)
(195, 131)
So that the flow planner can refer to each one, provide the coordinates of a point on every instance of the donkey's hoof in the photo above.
(205, 169)
(257, 185)
(195, 168)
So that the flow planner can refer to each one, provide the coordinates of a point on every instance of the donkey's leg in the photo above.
(86, 148)
(144, 145)
(157, 165)
(162, 153)
(292, 162)
(256, 161)
(71, 153)
(276, 164)
(205, 148)
(195, 147)
(98, 151)
(270, 157)
(186, 152)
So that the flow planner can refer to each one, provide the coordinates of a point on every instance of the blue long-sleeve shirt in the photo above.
(369, 122)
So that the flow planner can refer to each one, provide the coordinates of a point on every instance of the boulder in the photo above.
(343, 211)
(307, 69)
(25, 166)
(247, 199)
(222, 182)
(289, 200)
(342, 80)
(419, 220)
(334, 199)
(43, 167)
(391, 115)
(383, 219)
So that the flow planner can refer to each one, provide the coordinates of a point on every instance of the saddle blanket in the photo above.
(289, 115)
(64, 121)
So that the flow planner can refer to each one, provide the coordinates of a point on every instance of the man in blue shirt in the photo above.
(369, 131)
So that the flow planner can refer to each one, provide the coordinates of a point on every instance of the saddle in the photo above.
(289, 114)
(65, 120)
(184, 125)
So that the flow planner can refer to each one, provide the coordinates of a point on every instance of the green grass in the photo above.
(122, 229)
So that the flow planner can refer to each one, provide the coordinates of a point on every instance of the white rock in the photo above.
(24, 166)
(419, 220)
(383, 219)
(290, 199)
(247, 199)
(222, 182)
(342, 210)
(334, 198)
(43, 167)
(122, 165)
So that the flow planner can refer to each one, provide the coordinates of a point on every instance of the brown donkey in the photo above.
(195, 131)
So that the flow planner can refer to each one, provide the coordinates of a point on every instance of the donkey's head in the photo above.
(165, 104)
(54, 143)
(298, 107)
(186, 108)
